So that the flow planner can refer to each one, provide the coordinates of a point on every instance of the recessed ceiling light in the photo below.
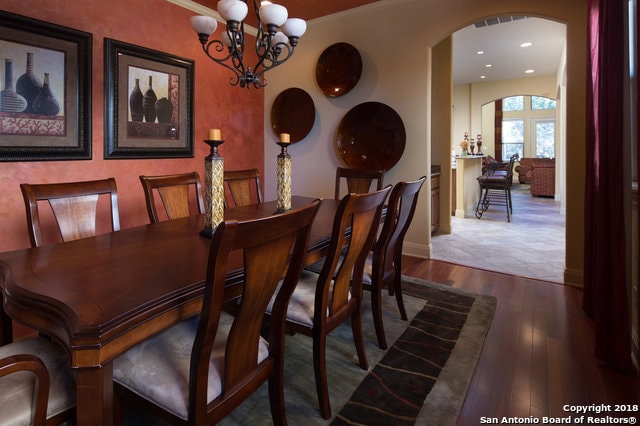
(526, 44)
(488, 65)
(529, 71)
(480, 52)
(483, 76)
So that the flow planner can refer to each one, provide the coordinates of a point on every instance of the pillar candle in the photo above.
(214, 135)
(285, 137)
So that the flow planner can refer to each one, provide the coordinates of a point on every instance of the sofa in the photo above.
(543, 177)
(524, 169)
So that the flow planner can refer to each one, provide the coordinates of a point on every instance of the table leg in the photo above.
(95, 396)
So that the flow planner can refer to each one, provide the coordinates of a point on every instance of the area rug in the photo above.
(413, 369)
(446, 392)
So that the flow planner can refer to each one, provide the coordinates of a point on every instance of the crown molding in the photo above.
(203, 10)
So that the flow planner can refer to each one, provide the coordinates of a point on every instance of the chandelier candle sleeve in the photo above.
(284, 177)
(213, 188)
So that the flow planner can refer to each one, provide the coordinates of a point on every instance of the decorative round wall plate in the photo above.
(338, 69)
(371, 136)
(293, 112)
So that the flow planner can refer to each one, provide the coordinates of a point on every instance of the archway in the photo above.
(470, 119)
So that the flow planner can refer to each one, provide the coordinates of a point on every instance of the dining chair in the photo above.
(37, 386)
(383, 267)
(242, 187)
(75, 209)
(322, 302)
(180, 196)
(199, 370)
(358, 180)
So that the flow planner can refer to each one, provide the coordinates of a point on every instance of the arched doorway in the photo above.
(470, 246)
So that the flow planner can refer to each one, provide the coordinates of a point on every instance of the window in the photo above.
(513, 103)
(538, 102)
(528, 126)
(545, 138)
(512, 137)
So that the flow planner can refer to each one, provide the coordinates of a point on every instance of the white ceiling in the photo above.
(500, 40)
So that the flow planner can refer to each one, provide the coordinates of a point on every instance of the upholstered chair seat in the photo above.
(301, 304)
(158, 368)
(17, 389)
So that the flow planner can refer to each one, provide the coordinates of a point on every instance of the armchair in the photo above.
(543, 177)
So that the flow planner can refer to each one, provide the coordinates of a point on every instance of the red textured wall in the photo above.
(158, 25)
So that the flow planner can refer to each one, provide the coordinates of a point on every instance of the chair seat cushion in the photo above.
(367, 273)
(16, 396)
(158, 368)
(302, 303)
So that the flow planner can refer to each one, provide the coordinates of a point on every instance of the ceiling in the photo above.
(499, 38)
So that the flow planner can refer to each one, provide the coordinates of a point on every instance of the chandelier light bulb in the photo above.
(232, 10)
(225, 39)
(294, 27)
(204, 24)
(279, 38)
(273, 14)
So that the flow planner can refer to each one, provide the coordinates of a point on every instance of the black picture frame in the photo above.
(130, 134)
(60, 128)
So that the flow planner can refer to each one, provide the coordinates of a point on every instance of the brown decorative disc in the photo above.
(293, 112)
(338, 69)
(371, 136)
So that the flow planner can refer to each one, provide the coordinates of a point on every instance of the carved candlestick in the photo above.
(284, 178)
(213, 189)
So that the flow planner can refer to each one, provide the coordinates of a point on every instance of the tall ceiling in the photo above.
(499, 38)
(307, 9)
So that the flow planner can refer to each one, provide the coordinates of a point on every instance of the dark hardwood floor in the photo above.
(538, 354)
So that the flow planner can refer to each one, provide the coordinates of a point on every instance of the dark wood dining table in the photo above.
(102, 295)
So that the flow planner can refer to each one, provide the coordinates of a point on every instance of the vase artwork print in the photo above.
(153, 104)
(32, 91)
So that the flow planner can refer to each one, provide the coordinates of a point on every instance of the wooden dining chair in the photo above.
(37, 386)
(358, 181)
(75, 209)
(383, 267)
(199, 370)
(321, 302)
(180, 196)
(242, 187)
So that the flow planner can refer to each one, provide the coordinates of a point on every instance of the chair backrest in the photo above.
(272, 248)
(242, 187)
(180, 195)
(27, 362)
(358, 181)
(355, 227)
(74, 206)
(512, 160)
(387, 250)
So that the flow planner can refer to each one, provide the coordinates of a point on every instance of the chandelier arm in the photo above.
(270, 60)
(219, 47)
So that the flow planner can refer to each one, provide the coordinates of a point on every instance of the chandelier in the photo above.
(276, 39)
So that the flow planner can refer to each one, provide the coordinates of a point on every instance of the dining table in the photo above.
(99, 296)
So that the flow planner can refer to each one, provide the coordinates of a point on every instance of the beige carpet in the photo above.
(441, 406)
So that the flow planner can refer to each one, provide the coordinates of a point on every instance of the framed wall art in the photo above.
(45, 101)
(148, 103)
